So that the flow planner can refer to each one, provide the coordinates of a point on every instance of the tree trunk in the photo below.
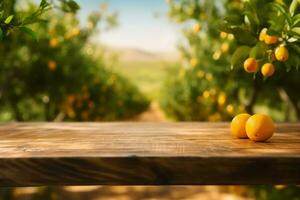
(249, 106)
(295, 106)
(284, 94)
(17, 113)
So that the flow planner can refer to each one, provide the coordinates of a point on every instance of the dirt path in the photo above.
(153, 114)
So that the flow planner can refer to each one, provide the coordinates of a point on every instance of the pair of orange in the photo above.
(251, 66)
(258, 127)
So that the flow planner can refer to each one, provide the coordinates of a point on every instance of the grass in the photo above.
(148, 75)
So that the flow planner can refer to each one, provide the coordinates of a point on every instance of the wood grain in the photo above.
(34, 154)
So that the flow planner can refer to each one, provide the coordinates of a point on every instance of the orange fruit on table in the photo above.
(281, 53)
(267, 69)
(259, 128)
(238, 124)
(250, 65)
(269, 39)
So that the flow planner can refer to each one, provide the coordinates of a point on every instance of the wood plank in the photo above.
(34, 154)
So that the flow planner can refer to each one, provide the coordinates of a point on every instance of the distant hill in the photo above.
(131, 54)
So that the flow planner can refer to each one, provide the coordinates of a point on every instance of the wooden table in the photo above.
(144, 154)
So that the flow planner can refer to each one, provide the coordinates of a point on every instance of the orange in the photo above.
(263, 34)
(230, 108)
(259, 127)
(75, 31)
(54, 43)
(269, 39)
(224, 47)
(237, 126)
(52, 65)
(71, 113)
(91, 104)
(280, 187)
(230, 36)
(250, 65)
(197, 28)
(71, 99)
(223, 35)
(267, 69)
(221, 99)
(281, 53)
(206, 94)
(194, 62)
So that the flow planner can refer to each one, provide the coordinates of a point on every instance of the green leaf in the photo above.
(296, 19)
(225, 27)
(239, 55)
(259, 51)
(295, 47)
(277, 25)
(283, 11)
(28, 31)
(8, 19)
(234, 19)
(43, 3)
(241, 34)
(292, 39)
(288, 66)
(294, 59)
(32, 20)
(251, 15)
(293, 7)
(73, 5)
(296, 31)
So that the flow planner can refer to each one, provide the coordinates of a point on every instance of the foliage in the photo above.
(206, 87)
(10, 20)
(281, 20)
(277, 192)
(62, 77)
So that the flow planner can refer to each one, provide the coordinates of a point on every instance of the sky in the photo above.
(139, 27)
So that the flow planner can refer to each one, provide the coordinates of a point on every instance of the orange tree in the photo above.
(268, 33)
(10, 21)
(58, 77)
(212, 83)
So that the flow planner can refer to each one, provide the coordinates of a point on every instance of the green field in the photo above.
(148, 75)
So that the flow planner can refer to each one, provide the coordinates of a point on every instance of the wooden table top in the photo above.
(132, 153)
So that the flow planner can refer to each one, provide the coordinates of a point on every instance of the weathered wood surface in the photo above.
(144, 154)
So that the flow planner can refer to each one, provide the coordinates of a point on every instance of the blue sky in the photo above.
(138, 26)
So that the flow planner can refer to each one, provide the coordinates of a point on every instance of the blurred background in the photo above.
(137, 61)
